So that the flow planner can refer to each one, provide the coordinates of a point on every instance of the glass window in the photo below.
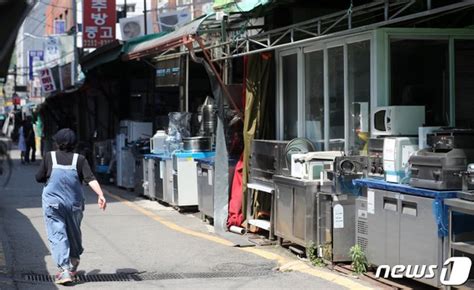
(336, 98)
(464, 80)
(314, 98)
(419, 75)
(358, 56)
(290, 96)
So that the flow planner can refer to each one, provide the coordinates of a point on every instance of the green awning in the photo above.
(131, 43)
(241, 6)
(143, 46)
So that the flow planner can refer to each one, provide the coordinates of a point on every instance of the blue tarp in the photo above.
(209, 160)
(194, 155)
(440, 210)
(153, 156)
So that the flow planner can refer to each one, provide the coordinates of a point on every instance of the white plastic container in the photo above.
(157, 142)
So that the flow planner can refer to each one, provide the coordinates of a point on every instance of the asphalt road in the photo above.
(167, 249)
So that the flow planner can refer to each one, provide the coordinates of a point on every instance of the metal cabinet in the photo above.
(159, 175)
(185, 182)
(402, 230)
(139, 176)
(168, 190)
(145, 175)
(295, 210)
(151, 178)
(336, 226)
(205, 175)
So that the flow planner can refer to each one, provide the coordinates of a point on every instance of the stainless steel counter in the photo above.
(295, 210)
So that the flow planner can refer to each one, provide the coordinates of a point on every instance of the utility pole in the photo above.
(144, 15)
(14, 78)
(76, 55)
(125, 9)
(15, 95)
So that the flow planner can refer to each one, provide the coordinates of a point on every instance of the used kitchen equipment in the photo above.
(130, 131)
(125, 163)
(139, 178)
(336, 226)
(102, 157)
(375, 148)
(423, 133)
(313, 165)
(206, 180)
(295, 213)
(346, 169)
(185, 177)
(139, 149)
(467, 181)
(145, 174)
(134, 130)
(157, 142)
(149, 179)
(361, 225)
(166, 164)
(440, 166)
(405, 225)
(197, 144)
(397, 120)
(159, 178)
(267, 158)
(154, 178)
(396, 152)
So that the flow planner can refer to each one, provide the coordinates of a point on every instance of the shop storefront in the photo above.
(327, 89)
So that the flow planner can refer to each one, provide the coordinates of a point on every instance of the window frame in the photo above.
(301, 51)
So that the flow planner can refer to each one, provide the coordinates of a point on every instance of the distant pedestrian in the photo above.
(30, 140)
(63, 202)
(21, 144)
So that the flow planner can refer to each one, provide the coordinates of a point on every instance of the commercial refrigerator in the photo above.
(134, 130)
(185, 177)
(295, 210)
(166, 164)
(206, 180)
(205, 177)
(403, 230)
(125, 163)
(129, 131)
(158, 178)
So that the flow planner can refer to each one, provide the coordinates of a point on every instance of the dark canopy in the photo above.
(12, 14)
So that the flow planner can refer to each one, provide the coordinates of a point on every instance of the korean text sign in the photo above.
(47, 81)
(98, 23)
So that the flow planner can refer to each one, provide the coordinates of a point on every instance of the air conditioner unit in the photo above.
(171, 20)
(132, 27)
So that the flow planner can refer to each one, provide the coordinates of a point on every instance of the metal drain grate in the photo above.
(118, 277)
(133, 277)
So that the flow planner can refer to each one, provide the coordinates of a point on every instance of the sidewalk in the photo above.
(134, 235)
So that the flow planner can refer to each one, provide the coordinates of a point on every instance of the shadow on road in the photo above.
(22, 229)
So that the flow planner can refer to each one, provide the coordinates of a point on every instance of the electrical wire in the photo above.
(49, 62)
(59, 6)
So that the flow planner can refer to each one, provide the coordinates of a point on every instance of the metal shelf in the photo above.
(465, 247)
(263, 224)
